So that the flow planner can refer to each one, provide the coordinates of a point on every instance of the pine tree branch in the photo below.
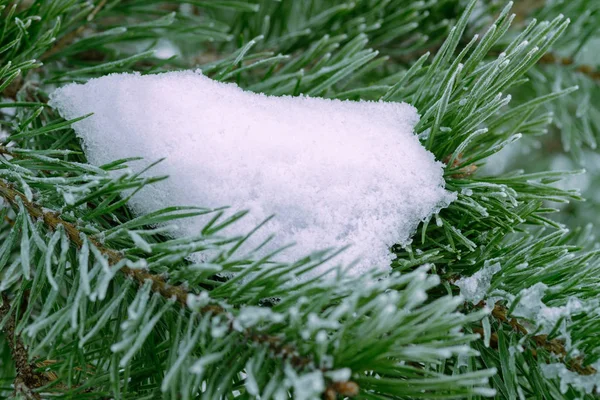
(275, 344)
(27, 379)
(53, 220)
(554, 346)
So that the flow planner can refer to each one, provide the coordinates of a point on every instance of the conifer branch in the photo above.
(277, 347)
(396, 355)
(554, 346)
(53, 220)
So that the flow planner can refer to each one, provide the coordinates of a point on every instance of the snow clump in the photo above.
(334, 173)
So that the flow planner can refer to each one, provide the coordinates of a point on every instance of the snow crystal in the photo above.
(251, 316)
(475, 287)
(196, 302)
(339, 375)
(584, 383)
(334, 173)
(308, 386)
(532, 307)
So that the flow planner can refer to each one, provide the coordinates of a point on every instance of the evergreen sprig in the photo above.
(100, 303)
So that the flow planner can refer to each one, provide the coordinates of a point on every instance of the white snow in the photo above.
(585, 383)
(308, 386)
(196, 302)
(475, 287)
(532, 307)
(339, 375)
(333, 172)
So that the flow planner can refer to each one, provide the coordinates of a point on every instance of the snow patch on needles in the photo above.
(585, 383)
(531, 307)
(475, 287)
(333, 172)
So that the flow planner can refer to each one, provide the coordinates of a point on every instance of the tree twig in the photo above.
(159, 285)
(554, 346)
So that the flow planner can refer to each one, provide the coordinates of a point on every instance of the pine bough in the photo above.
(99, 303)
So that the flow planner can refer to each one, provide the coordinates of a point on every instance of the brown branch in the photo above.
(553, 346)
(345, 389)
(588, 70)
(53, 221)
(159, 285)
(27, 379)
